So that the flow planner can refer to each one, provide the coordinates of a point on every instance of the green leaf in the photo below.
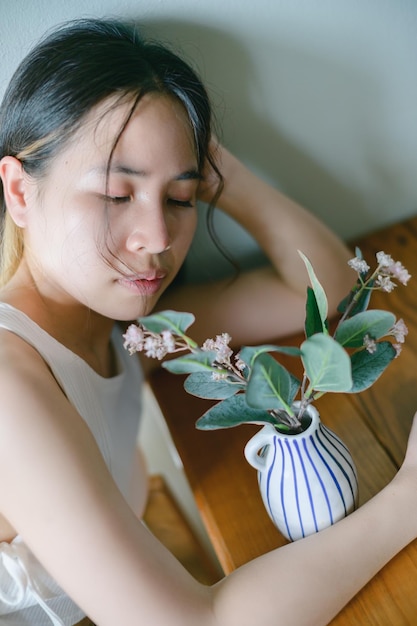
(270, 385)
(374, 323)
(202, 385)
(175, 321)
(367, 368)
(326, 363)
(362, 302)
(249, 353)
(319, 292)
(232, 412)
(295, 386)
(194, 362)
(313, 322)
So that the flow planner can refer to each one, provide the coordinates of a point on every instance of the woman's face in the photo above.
(113, 241)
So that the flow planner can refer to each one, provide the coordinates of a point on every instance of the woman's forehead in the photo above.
(109, 121)
(156, 126)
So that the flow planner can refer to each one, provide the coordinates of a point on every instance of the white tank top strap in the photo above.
(72, 373)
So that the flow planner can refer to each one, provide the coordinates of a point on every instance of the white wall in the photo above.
(320, 96)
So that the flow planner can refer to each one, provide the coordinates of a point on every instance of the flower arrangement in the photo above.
(251, 386)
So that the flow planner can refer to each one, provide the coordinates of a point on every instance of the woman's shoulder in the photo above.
(19, 360)
(20, 335)
(25, 378)
(18, 344)
(35, 411)
(29, 391)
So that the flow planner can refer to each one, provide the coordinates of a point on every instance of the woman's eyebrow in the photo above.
(117, 168)
(190, 175)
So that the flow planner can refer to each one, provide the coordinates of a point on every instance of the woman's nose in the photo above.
(150, 233)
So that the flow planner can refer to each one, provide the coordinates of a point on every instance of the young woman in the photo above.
(105, 146)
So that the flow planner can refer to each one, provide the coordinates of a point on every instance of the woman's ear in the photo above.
(15, 189)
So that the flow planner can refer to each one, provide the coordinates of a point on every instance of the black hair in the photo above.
(79, 65)
(76, 67)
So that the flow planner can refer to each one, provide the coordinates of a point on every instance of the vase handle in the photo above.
(254, 446)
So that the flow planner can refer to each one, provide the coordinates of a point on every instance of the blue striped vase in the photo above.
(308, 481)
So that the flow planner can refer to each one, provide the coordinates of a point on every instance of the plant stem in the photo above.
(282, 417)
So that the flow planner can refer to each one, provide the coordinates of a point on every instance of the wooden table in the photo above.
(374, 425)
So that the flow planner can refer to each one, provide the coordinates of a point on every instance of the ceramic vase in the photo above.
(307, 481)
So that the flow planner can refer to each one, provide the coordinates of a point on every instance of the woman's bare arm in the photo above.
(309, 581)
(58, 494)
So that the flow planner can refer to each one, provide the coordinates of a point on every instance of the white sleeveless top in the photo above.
(111, 408)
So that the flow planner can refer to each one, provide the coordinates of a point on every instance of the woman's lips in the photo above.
(143, 286)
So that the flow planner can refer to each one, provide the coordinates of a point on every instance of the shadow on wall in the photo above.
(261, 99)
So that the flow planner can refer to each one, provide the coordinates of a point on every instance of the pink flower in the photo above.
(221, 347)
(168, 340)
(398, 271)
(399, 331)
(134, 339)
(370, 344)
(398, 347)
(384, 260)
(392, 268)
(359, 265)
(385, 283)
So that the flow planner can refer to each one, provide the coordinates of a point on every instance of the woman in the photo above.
(105, 145)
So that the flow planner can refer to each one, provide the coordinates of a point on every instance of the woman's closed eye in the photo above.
(181, 203)
(117, 199)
